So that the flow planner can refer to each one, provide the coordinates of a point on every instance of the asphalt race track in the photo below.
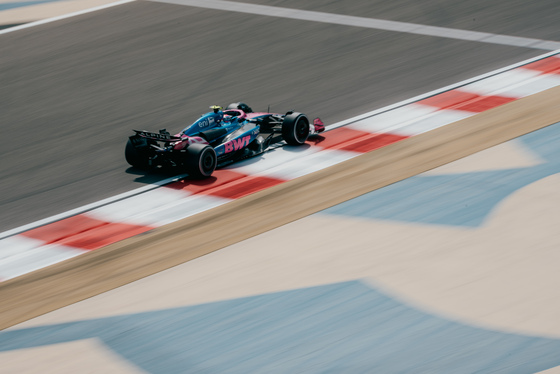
(73, 89)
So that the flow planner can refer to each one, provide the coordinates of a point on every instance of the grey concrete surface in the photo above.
(370, 23)
(72, 90)
(531, 19)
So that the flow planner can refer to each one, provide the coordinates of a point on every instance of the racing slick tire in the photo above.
(295, 128)
(134, 157)
(201, 160)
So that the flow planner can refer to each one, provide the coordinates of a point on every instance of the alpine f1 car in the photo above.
(219, 138)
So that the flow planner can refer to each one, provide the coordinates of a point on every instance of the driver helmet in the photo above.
(241, 106)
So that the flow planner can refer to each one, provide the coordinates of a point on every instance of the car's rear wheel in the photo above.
(201, 160)
(295, 128)
(135, 157)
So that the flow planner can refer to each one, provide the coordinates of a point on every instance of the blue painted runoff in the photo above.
(464, 199)
(345, 327)
(7, 6)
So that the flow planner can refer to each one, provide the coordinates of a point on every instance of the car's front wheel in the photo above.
(200, 161)
(295, 128)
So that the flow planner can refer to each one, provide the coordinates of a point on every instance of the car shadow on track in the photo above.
(153, 175)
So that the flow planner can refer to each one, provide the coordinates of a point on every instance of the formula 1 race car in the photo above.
(219, 138)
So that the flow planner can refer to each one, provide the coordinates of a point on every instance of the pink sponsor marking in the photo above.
(237, 144)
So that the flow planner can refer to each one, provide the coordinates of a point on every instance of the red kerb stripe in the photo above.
(84, 232)
(466, 101)
(226, 183)
(347, 139)
(218, 178)
(103, 235)
(243, 187)
(62, 229)
(550, 65)
(337, 137)
(371, 142)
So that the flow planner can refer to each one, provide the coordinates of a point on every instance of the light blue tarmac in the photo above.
(339, 328)
(7, 6)
(464, 199)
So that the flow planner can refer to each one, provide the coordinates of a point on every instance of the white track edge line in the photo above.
(140, 190)
(64, 16)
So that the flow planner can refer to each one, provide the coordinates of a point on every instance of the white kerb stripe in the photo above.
(309, 164)
(16, 245)
(279, 156)
(436, 120)
(532, 86)
(35, 259)
(394, 119)
(185, 207)
(503, 84)
(138, 209)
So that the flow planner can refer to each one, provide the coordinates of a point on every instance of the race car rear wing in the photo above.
(162, 136)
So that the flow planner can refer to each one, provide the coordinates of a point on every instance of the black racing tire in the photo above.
(295, 128)
(201, 160)
(134, 157)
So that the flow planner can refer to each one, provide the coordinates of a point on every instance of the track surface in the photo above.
(535, 20)
(75, 88)
(463, 301)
